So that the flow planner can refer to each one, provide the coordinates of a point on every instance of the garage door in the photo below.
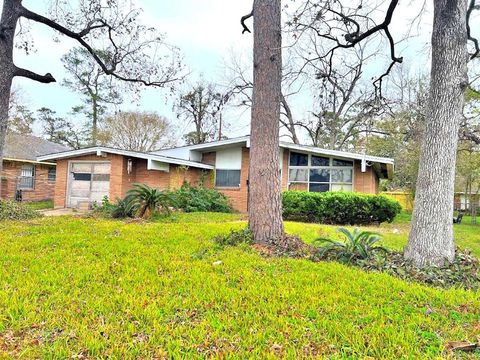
(89, 181)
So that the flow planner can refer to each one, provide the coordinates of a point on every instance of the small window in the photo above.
(227, 178)
(52, 174)
(297, 159)
(338, 162)
(26, 180)
(320, 161)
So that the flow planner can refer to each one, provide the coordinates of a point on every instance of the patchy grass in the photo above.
(40, 205)
(92, 288)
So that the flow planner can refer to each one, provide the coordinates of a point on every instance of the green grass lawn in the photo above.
(90, 288)
(40, 205)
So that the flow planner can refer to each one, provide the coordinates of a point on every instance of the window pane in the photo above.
(101, 168)
(82, 176)
(342, 187)
(227, 178)
(297, 159)
(342, 175)
(338, 162)
(319, 187)
(320, 175)
(101, 177)
(298, 187)
(320, 161)
(298, 175)
(52, 174)
(82, 167)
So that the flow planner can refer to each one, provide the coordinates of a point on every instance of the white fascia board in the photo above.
(204, 147)
(337, 153)
(101, 151)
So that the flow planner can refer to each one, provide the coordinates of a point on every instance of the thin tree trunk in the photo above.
(265, 205)
(291, 124)
(8, 25)
(94, 122)
(431, 236)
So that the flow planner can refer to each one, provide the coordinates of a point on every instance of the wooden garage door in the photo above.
(89, 181)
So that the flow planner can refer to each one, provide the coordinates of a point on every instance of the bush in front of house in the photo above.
(190, 198)
(342, 208)
(14, 210)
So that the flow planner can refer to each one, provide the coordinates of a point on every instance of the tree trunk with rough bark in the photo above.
(265, 205)
(8, 25)
(431, 237)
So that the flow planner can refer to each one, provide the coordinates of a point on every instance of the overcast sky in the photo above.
(206, 32)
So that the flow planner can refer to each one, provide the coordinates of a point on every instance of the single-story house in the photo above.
(87, 175)
(466, 202)
(23, 173)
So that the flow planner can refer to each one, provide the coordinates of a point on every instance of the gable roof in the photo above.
(28, 147)
(99, 150)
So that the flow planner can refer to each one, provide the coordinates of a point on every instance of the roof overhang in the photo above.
(154, 160)
(30, 161)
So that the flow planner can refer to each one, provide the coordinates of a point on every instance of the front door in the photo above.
(88, 182)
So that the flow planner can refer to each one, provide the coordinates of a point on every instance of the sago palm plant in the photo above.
(358, 245)
(146, 200)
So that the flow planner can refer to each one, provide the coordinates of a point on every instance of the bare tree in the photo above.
(240, 86)
(344, 106)
(136, 131)
(91, 23)
(96, 88)
(265, 206)
(202, 107)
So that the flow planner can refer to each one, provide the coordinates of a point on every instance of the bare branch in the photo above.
(47, 78)
(472, 7)
(242, 21)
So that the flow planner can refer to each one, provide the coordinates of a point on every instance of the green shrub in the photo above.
(145, 201)
(199, 199)
(13, 210)
(358, 245)
(122, 209)
(340, 208)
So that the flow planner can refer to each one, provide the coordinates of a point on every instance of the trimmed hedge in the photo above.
(342, 208)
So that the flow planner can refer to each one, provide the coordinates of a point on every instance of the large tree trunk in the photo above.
(8, 25)
(431, 236)
(265, 205)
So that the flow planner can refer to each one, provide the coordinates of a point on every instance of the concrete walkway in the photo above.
(62, 212)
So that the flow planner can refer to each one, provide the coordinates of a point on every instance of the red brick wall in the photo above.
(43, 189)
(121, 181)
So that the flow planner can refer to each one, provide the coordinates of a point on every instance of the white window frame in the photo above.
(330, 167)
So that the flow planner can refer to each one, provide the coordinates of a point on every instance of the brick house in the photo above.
(22, 173)
(88, 175)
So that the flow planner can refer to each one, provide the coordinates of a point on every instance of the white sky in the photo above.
(206, 32)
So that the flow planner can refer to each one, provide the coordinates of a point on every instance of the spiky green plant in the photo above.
(146, 200)
(358, 245)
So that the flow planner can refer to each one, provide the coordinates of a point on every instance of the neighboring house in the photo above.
(87, 175)
(463, 201)
(22, 171)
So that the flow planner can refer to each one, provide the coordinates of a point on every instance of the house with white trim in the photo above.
(87, 175)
